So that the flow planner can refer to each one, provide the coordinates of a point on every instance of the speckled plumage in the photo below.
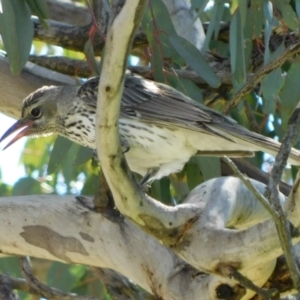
(163, 127)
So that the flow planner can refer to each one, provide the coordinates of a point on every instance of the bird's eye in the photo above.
(36, 112)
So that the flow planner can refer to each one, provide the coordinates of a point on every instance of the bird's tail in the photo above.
(269, 145)
(237, 139)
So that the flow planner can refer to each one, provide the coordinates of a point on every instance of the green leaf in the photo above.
(288, 14)
(297, 2)
(248, 43)
(83, 155)
(68, 168)
(243, 11)
(158, 27)
(268, 10)
(165, 190)
(271, 85)
(16, 29)
(91, 185)
(185, 86)
(36, 153)
(194, 176)
(65, 277)
(214, 24)
(60, 149)
(195, 60)
(26, 186)
(290, 93)
(90, 57)
(237, 52)
(257, 16)
(210, 167)
(39, 8)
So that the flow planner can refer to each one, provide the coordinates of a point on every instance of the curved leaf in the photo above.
(195, 60)
(60, 149)
(237, 51)
(16, 29)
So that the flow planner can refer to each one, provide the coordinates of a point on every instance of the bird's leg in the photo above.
(148, 178)
(125, 146)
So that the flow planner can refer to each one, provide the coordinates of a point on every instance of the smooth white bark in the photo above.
(14, 88)
(186, 22)
(60, 228)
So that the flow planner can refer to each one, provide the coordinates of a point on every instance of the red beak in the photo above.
(26, 125)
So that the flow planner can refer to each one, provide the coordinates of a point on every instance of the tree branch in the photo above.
(260, 75)
(44, 290)
(19, 87)
(222, 202)
(282, 225)
(73, 37)
(64, 11)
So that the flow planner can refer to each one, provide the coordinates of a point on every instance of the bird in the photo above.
(160, 127)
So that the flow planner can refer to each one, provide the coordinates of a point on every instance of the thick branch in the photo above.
(64, 11)
(81, 68)
(18, 87)
(89, 238)
(73, 37)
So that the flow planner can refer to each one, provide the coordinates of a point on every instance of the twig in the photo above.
(71, 66)
(282, 225)
(265, 294)
(44, 290)
(251, 117)
(265, 203)
(6, 288)
(260, 75)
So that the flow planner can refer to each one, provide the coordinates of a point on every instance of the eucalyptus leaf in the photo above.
(83, 155)
(271, 85)
(90, 56)
(16, 30)
(214, 24)
(193, 173)
(288, 14)
(237, 51)
(210, 167)
(268, 10)
(65, 277)
(158, 27)
(195, 60)
(26, 186)
(59, 152)
(257, 17)
(165, 190)
(290, 94)
(297, 4)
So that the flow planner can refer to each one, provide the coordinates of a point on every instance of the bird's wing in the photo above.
(88, 92)
(158, 103)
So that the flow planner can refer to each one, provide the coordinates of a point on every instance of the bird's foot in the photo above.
(84, 202)
(148, 178)
(125, 146)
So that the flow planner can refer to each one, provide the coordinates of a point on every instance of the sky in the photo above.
(9, 158)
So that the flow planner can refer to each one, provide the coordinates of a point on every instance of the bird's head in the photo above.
(39, 113)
